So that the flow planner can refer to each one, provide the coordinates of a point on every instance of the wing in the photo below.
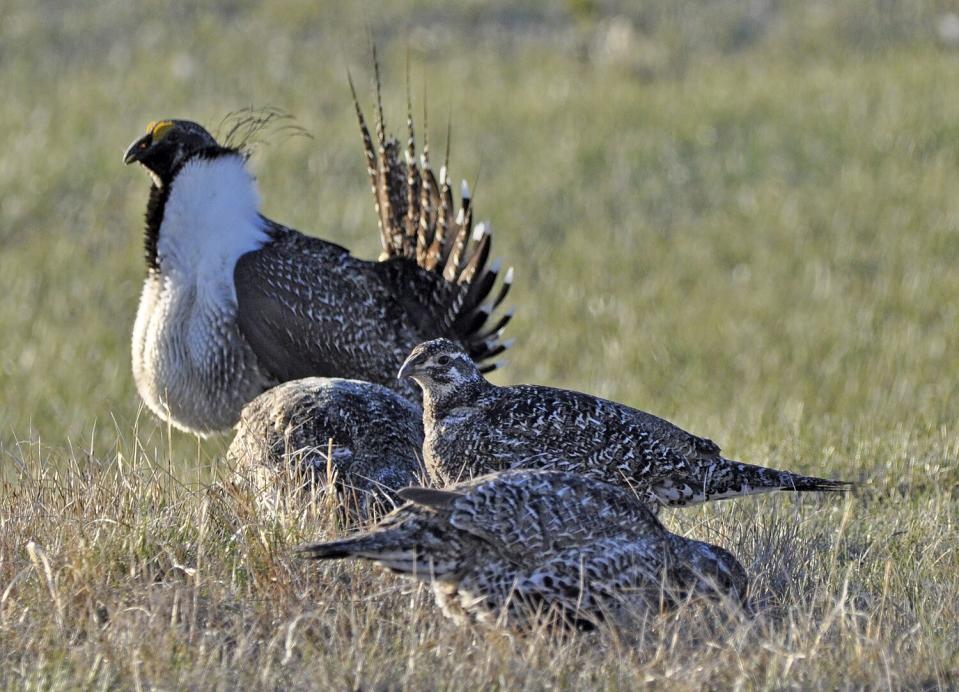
(535, 426)
(569, 430)
(308, 308)
(430, 497)
(529, 514)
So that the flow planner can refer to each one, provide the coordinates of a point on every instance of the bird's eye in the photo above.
(443, 360)
(144, 145)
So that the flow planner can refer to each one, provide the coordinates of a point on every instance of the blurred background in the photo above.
(740, 215)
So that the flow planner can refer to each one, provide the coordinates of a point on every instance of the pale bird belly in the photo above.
(190, 363)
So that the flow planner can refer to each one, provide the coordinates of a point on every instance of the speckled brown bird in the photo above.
(520, 548)
(474, 427)
(359, 439)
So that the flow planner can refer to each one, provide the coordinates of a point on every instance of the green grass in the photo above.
(746, 222)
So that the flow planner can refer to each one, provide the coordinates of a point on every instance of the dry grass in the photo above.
(745, 220)
(116, 573)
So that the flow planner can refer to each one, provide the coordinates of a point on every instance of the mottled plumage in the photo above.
(234, 302)
(520, 547)
(474, 427)
(374, 434)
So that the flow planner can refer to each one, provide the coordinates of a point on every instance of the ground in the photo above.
(738, 215)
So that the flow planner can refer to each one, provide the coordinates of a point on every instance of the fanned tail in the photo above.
(419, 220)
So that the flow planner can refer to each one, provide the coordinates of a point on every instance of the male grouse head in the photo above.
(442, 368)
(166, 145)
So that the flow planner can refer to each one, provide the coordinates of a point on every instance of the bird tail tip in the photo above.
(331, 550)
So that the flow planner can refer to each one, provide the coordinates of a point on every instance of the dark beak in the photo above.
(409, 367)
(136, 150)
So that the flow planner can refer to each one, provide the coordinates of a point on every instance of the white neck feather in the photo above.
(190, 362)
(211, 218)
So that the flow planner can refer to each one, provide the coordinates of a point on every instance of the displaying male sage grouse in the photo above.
(473, 427)
(364, 439)
(520, 547)
(234, 302)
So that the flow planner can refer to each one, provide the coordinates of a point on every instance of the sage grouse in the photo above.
(518, 548)
(363, 438)
(234, 302)
(474, 427)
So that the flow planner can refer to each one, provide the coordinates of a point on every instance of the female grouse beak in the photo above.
(410, 367)
(136, 150)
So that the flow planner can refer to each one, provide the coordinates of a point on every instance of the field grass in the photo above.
(741, 216)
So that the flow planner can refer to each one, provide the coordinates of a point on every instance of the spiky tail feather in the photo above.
(334, 550)
(418, 220)
(763, 478)
(804, 484)
(726, 479)
(749, 479)
(397, 549)
(380, 546)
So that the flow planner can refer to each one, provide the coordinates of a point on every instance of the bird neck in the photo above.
(439, 401)
(154, 217)
(205, 218)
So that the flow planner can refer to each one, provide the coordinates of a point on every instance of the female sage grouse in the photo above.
(359, 439)
(473, 427)
(522, 547)
(234, 302)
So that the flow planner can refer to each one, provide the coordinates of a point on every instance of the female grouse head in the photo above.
(441, 367)
(166, 145)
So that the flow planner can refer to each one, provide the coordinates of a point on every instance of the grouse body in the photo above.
(361, 438)
(473, 427)
(234, 302)
(519, 547)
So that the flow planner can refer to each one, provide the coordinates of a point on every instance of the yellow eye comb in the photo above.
(159, 129)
